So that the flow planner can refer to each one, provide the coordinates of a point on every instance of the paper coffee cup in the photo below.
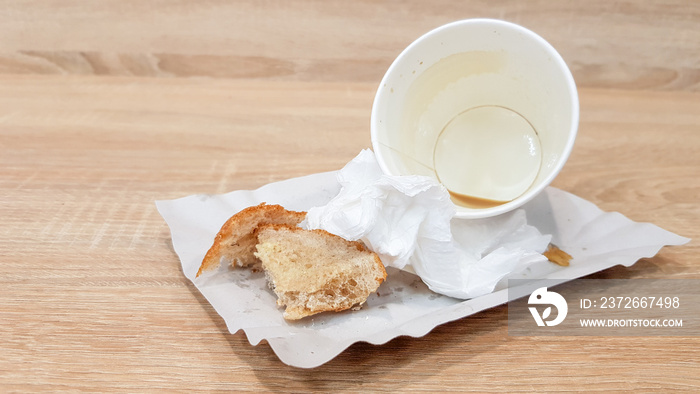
(486, 107)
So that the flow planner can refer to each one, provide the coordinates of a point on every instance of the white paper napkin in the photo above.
(403, 304)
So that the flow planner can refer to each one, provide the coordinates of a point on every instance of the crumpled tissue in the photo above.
(409, 222)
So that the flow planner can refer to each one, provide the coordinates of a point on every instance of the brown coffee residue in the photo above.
(474, 202)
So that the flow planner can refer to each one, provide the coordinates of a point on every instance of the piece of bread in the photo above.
(314, 271)
(236, 240)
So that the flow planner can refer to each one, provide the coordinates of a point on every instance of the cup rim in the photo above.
(381, 96)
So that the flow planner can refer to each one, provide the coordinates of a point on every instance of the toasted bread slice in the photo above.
(314, 271)
(236, 240)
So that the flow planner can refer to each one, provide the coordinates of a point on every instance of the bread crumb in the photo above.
(557, 256)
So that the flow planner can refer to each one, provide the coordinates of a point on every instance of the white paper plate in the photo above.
(403, 305)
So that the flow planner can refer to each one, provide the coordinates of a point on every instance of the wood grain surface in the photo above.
(108, 106)
(621, 44)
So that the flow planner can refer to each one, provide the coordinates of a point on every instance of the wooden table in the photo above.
(108, 106)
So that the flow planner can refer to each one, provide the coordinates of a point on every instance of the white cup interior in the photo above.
(474, 72)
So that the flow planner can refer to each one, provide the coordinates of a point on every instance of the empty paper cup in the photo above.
(486, 107)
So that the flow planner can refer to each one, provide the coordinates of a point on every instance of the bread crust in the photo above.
(237, 241)
(241, 225)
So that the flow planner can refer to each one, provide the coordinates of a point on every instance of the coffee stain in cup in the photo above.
(474, 202)
(487, 155)
(483, 152)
